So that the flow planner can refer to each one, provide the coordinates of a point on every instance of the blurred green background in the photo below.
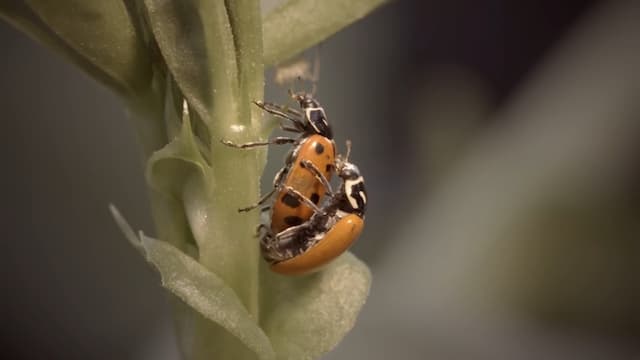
(499, 142)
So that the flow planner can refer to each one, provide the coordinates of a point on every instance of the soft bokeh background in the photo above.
(500, 144)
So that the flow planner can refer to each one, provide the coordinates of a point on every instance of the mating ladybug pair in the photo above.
(307, 229)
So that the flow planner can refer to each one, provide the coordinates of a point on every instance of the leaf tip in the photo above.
(124, 226)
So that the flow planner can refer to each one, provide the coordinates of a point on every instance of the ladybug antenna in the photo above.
(297, 96)
(341, 161)
(292, 93)
(312, 76)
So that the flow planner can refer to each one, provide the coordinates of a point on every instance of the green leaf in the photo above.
(201, 289)
(206, 293)
(303, 317)
(307, 316)
(19, 15)
(100, 36)
(196, 43)
(170, 167)
(297, 25)
(125, 227)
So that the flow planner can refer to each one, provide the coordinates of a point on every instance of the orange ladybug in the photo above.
(287, 210)
(315, 144)
(329, 232)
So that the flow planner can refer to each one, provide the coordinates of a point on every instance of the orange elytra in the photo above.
(335, 242)
(287, 210)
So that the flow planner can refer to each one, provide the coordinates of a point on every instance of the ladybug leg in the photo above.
(267, 247)
(261, 230)
(289, 110)
(285, 109)
(290, 129)
(271, 248)
(295, 193)
(342, 160)
(277, 181)
(280, 140)
(287, 235)
(279, 178)
(282, 112)
(260, 202)
(318, 174)
(282, 246)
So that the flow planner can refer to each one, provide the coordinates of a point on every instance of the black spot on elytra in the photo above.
(315, 198)
(290, 200)
(293, 220)
(319, 148)
(328, 168)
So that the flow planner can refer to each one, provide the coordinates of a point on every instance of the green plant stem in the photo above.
(199, 337)
(227, 243)
(246, 24)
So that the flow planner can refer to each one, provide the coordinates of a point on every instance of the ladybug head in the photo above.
(314, 114)
(354, 200)
(355, 194)
(348, 171)
(305, 100)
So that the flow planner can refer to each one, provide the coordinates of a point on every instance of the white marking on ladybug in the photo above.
(363, 196)
(348, 185)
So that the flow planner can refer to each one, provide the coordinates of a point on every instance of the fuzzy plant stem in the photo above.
(211, 214)
(207, 211)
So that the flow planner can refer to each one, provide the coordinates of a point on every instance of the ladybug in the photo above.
(329, 232)
(315, 144)
(287, 210)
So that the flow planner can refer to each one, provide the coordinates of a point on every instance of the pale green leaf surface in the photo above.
(297, 25)
(103, 34)
(308, 316)
(169, 168)
(196, 43)
(206, 293)
(199, 288)
(303, 317)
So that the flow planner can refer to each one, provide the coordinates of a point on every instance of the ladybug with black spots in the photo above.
(315, 145)
(331, 230)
